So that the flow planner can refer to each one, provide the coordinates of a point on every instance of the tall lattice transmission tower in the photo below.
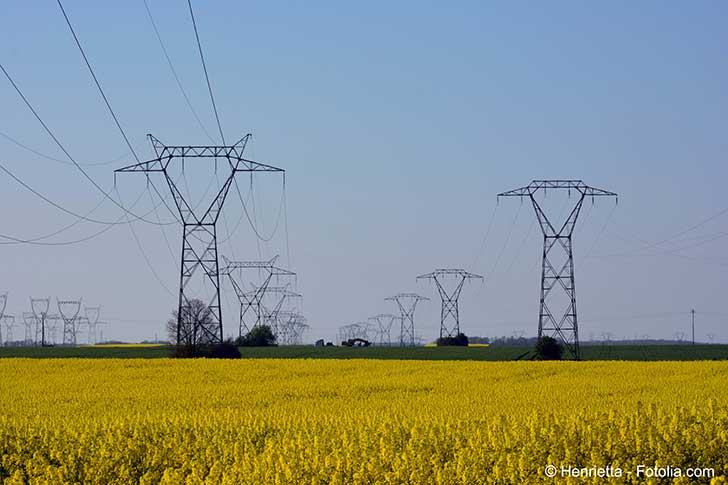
(407, 303)
(251, 302)
(40, 307)
(557, 262)
(271, 314)
(449, 294)
(384, 322)
(8, 321)
(199, 261)
(69, 310)
(3, 303)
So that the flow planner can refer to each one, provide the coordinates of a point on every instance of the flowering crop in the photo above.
(355, 421)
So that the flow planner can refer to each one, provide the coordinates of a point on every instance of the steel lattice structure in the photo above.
(358, 330)
(30, 323)
(40, 307)
(449, 311)
(93, 315)
(291, 327)
(555, 272)
(407, 303)
(199, 233)
(3, 303)
(9, 322)
(252, 301)
(384, 327)
(271, 316)
(69, 309)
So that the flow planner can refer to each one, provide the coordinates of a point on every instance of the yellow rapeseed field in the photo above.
(356, 421)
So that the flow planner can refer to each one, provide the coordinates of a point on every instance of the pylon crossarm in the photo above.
(233, 265)
(576, 185)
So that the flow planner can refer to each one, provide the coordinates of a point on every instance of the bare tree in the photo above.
(194, 327)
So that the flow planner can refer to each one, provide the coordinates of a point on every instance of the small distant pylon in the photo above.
(40, 307)
(384, 323)
(252, 301)
(93, 315)
(449, 312)
(69, 310)
(30, 323)
(8, 322)
(407, 303)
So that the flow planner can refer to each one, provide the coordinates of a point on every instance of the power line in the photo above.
(204, 67)
(247, 214)
(65, 162)
(141, 250)
(35, 240)
(98, 85)
(505, 243)
(55, 204)
(63, 148)
(174, 71)
(485, 237)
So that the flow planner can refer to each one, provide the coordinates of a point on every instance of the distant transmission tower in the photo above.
(292, 326)
(199, 232)
(384, 323)
(30, 323)
(407, 303)
(557, 266)
(40, 307)
(69, 309)
(9, 322)
(449, 313)
(93, 314)
(271, 315)
(251, 303)
(3, 303)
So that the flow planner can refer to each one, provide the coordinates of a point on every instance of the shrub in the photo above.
(460, 340)
(548, 348)
(259, 336)
(224, 350)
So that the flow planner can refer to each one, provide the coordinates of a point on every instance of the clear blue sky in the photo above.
(397, 124)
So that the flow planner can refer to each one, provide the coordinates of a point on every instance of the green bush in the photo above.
(548, 348)
(224, 350)
(259, 336)
(460, 340)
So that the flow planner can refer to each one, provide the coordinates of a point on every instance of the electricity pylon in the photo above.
(252, 301)
(9, 322)
(270, 316)
(358, 330)
(69, 309)
(384, 323)
(291, 328)
(407, 303)
(3, 302)
(557, 264)
(199, 232)
(449, 311)
(93, 314)
(29, 322)
(40, 307)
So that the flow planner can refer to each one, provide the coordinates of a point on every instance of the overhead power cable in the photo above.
(98, 85)
(58, 206)
(63, 148)
(36, 240)
(204, 67)
(174, 71)
(485, 237)
(59, 160)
